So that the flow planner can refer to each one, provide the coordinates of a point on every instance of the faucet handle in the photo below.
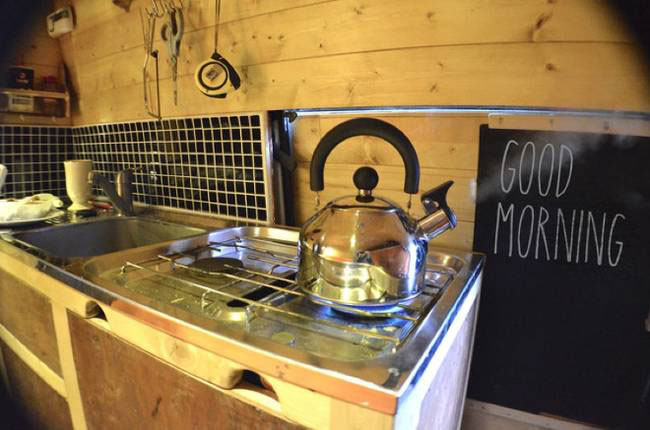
(436, 199)
(123, 178)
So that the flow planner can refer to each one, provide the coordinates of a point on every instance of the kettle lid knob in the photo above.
(365, 179)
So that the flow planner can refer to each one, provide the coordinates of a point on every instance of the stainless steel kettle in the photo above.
(364, 250)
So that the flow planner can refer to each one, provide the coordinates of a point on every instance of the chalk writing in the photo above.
(577, 235)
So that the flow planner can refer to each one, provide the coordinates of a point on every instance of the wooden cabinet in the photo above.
(27, 315)
(30, 367)
(66, 371)
(33, 399)
(442, 407)
(124, 387)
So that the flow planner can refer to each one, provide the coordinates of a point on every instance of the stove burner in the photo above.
(217, 265)
(375, 311)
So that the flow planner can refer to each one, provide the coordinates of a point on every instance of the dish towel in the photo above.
(28, 208)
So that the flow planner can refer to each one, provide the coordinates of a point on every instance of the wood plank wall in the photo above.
(35, 48)
(329, 53)
(353, 53)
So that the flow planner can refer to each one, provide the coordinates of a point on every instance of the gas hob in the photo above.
(239, 283)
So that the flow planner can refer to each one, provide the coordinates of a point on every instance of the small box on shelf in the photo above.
(10, 102)
(20, 77)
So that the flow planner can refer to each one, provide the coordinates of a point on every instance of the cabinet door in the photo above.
(27, 315)
(123, 387)
(39, 406)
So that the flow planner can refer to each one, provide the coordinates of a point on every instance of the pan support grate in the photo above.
(171, 270)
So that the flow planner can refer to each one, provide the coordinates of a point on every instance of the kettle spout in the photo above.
(440, 217)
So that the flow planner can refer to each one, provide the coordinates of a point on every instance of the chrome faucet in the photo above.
(119, 194)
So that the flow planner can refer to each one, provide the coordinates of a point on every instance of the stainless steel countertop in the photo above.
(377, 384)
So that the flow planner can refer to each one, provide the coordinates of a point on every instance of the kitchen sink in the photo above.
(102, 236)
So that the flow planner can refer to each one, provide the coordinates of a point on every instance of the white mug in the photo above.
(3, 176)
(76, 183)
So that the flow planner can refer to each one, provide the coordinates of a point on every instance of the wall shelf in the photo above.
(36, 93)
(35, 118)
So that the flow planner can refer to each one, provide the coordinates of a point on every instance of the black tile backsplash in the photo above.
(34, 157)
(213, 164)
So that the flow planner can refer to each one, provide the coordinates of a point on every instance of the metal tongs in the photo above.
(159, 9)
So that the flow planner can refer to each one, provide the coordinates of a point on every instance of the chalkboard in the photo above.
(564, 219)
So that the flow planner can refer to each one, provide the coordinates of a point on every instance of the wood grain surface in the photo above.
(27, 314)
(124, 387)
(441, 408)
(34, 47)
(347, 53)
(28, 390)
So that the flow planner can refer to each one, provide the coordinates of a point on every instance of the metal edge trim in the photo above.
(307, 375)
(476, 263)
(267, 154)
(467, 110)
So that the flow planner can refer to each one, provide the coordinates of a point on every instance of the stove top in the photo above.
(248, 283)
(240, 283)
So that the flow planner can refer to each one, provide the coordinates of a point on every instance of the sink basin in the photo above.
(103, 236)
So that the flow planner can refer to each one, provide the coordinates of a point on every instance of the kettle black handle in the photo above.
(365, 127)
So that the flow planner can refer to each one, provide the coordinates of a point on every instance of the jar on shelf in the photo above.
(51, 83)
(51, 106)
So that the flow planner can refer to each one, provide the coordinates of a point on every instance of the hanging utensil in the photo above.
(148, 31)
(159, 8)
(172, 33)
(216, 77)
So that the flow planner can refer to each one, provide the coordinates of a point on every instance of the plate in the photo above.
(20, 222)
